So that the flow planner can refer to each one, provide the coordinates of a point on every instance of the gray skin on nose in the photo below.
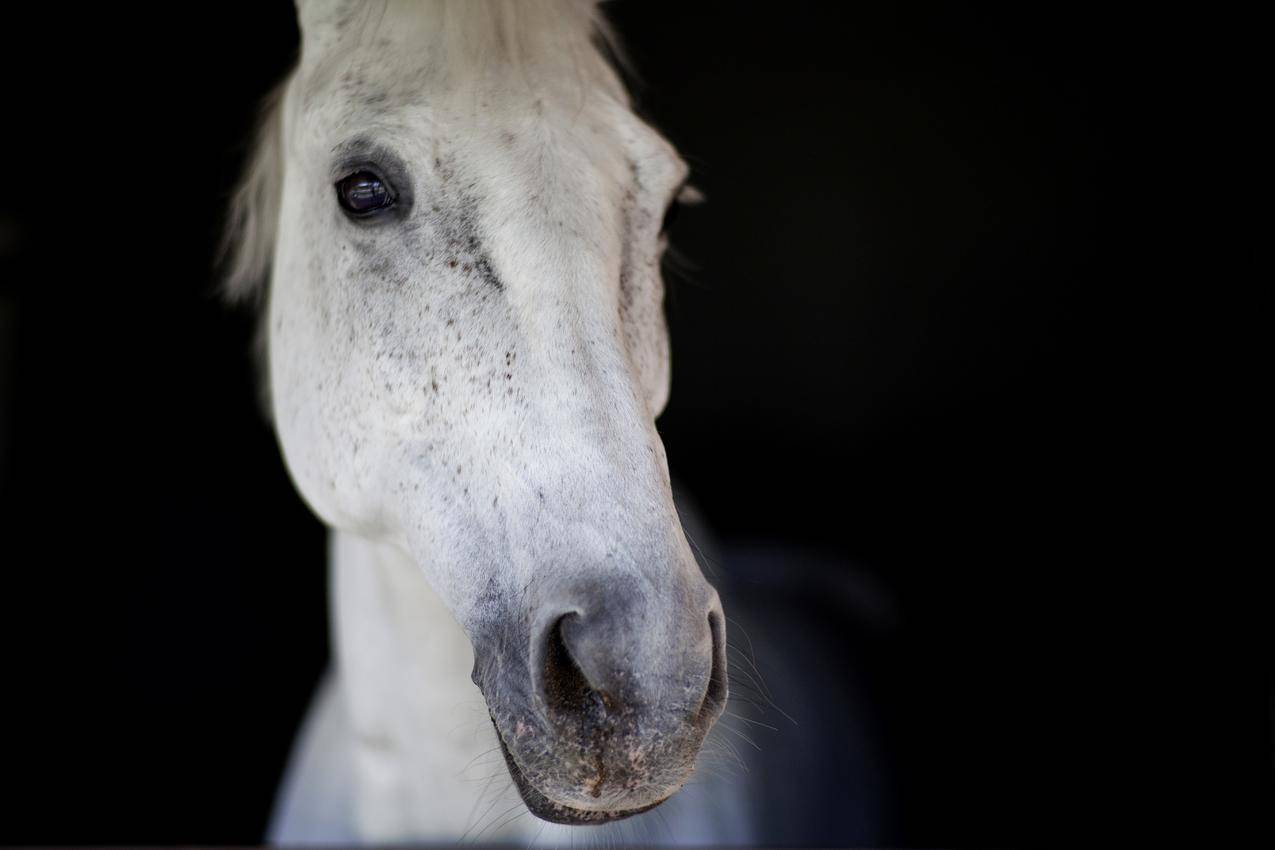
(612, 653)
(626, 678)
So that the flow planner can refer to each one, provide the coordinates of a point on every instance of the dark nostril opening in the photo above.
(715, 696)
(563, 685)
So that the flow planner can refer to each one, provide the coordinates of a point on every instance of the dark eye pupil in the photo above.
(363, 192)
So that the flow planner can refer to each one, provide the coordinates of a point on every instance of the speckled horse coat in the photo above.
(453, 218)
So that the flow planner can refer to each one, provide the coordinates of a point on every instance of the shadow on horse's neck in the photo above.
(413, 735)
(403, 668)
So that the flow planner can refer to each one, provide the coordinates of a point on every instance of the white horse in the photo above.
(454, 219)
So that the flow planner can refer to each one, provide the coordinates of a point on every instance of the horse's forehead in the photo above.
(394, 91)
(520, 158)
(368, 82)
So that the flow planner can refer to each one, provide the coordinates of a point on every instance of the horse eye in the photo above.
(363, 193)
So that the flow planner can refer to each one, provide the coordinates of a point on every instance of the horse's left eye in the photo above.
(363, 193)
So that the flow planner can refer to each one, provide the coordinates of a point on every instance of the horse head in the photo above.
(461, 218)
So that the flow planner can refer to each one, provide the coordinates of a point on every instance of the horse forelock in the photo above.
(464, 38)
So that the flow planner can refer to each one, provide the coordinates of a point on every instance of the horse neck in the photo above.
(417, 719)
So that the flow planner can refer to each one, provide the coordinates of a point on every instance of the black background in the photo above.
(902, 340)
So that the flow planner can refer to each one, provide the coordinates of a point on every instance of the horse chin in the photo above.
(554, 812)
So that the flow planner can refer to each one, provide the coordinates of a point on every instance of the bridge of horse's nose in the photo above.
(599, 662)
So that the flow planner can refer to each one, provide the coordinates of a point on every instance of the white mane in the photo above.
(464, 39)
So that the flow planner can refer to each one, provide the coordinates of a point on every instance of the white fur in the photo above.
(468, 400)
(365, 771)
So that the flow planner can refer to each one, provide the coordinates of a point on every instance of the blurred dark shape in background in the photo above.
(899, 343)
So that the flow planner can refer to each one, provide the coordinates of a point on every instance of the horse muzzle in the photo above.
(618, 683)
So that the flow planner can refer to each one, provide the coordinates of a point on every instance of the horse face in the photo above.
(467, 355)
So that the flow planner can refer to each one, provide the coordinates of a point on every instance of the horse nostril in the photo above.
(563, 684)
(715, 696)
(582, 673)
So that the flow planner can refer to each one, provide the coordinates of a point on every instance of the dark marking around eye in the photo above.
(469, 253)
(487, 273)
